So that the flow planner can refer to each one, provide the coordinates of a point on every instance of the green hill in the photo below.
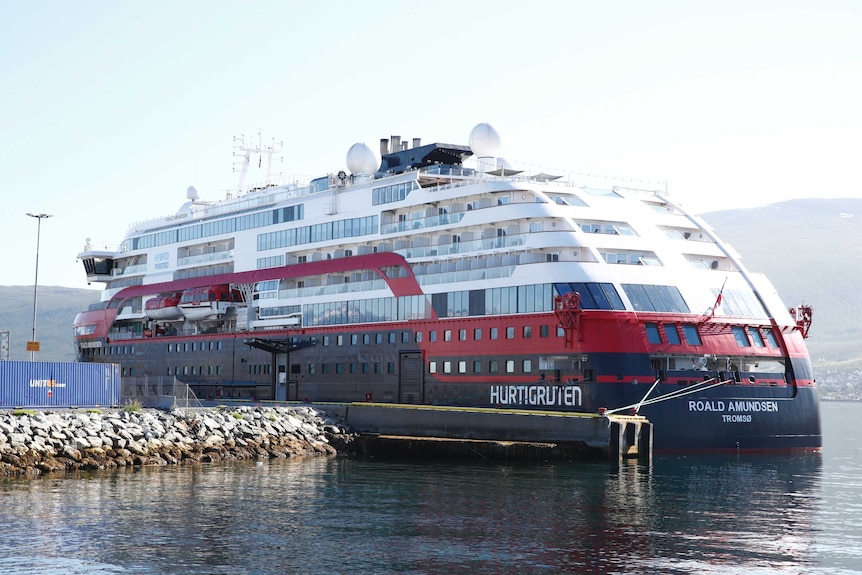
(55, 313)
(810, 250)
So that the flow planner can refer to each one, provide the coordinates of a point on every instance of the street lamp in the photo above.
(39, 218)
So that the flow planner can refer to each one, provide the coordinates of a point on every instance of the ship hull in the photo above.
(731, 419)
(698, 413)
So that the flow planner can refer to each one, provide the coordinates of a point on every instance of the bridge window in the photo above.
(653, 335)
(756, 337)
(645, 297)
(689, 331)
(740, 336)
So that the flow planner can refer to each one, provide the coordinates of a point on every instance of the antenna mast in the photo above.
(243, 154)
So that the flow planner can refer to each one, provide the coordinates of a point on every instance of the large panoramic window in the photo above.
(740, 302)
(645, 297)
(593, 295)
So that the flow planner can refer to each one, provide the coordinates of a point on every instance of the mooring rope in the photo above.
(701, 386)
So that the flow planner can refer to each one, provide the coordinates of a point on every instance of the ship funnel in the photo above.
(417, 142)
(396, 144)
(384, 146)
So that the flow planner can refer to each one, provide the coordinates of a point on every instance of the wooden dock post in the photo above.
(630, 438)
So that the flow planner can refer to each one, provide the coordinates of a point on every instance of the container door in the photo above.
(410, 383)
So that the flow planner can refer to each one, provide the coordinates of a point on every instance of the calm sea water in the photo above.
(800, 514)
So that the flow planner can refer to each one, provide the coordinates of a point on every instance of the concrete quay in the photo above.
(490, 433)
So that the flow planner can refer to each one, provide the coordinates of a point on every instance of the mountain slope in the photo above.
(55, 313)
(810, 250)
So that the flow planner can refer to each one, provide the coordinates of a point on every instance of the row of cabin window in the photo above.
(671, 333)
(352, 367)
(200, 370)
(172, 347)
(477, 366)
(745, 336)
(193, 346)
(417, 337)
(112, 350)
(266, 369)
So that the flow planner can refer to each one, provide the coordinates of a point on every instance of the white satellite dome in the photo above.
(485, 141)
(362, 159)
(192, 194)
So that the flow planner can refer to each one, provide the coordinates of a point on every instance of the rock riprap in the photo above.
(32, 443)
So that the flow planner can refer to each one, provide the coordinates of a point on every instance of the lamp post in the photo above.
(39, 218)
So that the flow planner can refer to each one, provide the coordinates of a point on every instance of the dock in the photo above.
(489, 433)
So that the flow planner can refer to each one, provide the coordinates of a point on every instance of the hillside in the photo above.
(55, 313)
(808, 248)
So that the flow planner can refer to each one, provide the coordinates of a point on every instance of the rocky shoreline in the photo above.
(37, 442)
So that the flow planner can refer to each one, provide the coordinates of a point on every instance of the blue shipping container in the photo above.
(58, 384)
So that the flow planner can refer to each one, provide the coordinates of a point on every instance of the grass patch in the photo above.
(29, 412)
(132, 406)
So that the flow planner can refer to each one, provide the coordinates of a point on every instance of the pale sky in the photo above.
(110, 110)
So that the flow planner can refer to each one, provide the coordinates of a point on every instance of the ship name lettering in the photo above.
(770, 406)
(706, 406)
(741, 405)
(544, 395)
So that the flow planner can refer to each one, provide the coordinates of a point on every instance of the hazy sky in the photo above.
(110, 110)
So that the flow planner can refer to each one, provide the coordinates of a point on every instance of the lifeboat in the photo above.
(209, 303)
(164, 307)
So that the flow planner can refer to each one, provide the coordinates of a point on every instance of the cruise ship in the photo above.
(444, 274)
